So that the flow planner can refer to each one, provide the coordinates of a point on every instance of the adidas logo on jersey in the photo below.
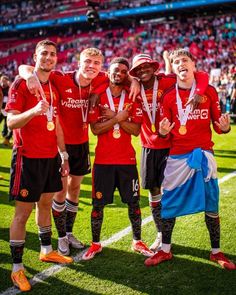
(69, 90)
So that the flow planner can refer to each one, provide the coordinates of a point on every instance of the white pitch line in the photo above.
(42, 276)
(227, 177)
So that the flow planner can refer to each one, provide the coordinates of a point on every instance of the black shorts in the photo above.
(106, 178)
(153, 164)
(30, 177)
(79, 158)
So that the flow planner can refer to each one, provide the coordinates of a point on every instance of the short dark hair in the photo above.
(120, 60)
(45, 42)
(180, 51)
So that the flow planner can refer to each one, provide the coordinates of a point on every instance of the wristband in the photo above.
(162, 135)
(64, 156)
(227, 131)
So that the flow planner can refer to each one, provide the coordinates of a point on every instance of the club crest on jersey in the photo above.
(24, 193)
(159, 93)
(98, 195)
(203, 99)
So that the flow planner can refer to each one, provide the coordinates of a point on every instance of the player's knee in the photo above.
(74, 193)
(21, 219)
(60, 196)
(44, 204)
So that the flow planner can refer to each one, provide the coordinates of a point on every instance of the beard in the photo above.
(117, 83)
(46, 70)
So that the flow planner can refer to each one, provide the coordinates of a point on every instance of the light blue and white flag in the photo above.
(190, 184)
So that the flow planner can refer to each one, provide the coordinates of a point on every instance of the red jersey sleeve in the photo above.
(93, 115)
(100, 83)
(167, 80)
(202, 81)
(56, 77)
(136, 113)
(165, 108)
(215, 107)
(16, 96)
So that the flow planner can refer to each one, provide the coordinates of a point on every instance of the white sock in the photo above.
(136, 241)
(215, 250)
(46, 249)
(17, 266)
(165, 247)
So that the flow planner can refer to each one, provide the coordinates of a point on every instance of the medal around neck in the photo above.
(151, 111)
(183, 113)
(50, 126)
(50, 111)
(153, 128)
(116, 133)
(182, 130)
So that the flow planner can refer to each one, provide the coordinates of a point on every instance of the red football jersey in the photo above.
(151, 139)
(110, 150)
(34, 138)
(73, 107)
(199, 134)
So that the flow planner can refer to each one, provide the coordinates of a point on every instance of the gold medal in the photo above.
(50, 126)
(182, 130)
(153, 128)
(116, 133)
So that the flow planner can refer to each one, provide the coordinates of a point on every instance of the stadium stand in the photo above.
(210, 37)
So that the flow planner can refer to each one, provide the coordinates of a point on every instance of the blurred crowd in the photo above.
(211, 39)
(14, 12)
(25, 11)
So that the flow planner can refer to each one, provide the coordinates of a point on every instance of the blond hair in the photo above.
(92, 52)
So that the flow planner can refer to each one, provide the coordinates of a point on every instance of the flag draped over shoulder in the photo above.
(190, 184)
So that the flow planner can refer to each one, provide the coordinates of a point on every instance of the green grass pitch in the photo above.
(118, 270)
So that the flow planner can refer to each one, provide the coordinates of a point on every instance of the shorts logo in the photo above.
(98, 195)
(24, 193)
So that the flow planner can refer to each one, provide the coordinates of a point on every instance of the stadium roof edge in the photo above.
(115, 14)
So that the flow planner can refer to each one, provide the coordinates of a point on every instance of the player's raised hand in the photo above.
(224, 123)
(122, 115)
(134, 89)
(65, 169)
(33, 85)
(41, 107)
(93, 101)
(106, 112)
(165, 126)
